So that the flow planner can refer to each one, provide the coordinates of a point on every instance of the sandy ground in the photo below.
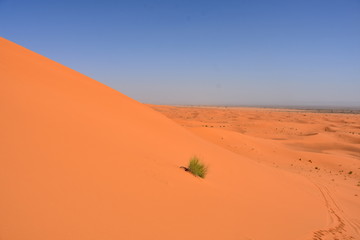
(79, 160)
(323, 147)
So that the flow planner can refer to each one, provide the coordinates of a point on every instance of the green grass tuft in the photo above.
(197, 168)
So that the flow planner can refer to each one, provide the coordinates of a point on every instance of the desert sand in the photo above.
(323, 147)
(80, 160)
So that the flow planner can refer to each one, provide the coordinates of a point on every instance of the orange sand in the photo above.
(323, 147)
(79, 160)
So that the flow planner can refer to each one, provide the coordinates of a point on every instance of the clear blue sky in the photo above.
(200, 52)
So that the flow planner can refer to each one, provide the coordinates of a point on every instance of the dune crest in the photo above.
(79, 160)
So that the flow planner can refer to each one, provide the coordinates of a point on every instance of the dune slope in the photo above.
(295, 141)
(79, 160)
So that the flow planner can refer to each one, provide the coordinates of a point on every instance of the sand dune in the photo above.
(79, 160)
(294, 141)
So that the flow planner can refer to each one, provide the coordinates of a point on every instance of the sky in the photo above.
(201, 52)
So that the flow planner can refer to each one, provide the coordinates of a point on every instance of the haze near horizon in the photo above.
(201, 52)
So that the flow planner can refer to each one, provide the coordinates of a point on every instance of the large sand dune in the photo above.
(79, 160)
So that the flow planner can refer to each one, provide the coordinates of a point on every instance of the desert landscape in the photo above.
(323, 147)
(80, 160)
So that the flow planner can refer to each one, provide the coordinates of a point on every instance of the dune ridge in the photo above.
(79, 160)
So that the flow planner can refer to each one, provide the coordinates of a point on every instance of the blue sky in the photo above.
(248, 52)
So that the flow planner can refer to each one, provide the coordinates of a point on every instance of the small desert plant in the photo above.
(197, 168)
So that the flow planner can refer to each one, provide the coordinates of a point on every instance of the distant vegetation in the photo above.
(197, 168)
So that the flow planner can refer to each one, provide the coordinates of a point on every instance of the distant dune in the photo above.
(79, 160)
